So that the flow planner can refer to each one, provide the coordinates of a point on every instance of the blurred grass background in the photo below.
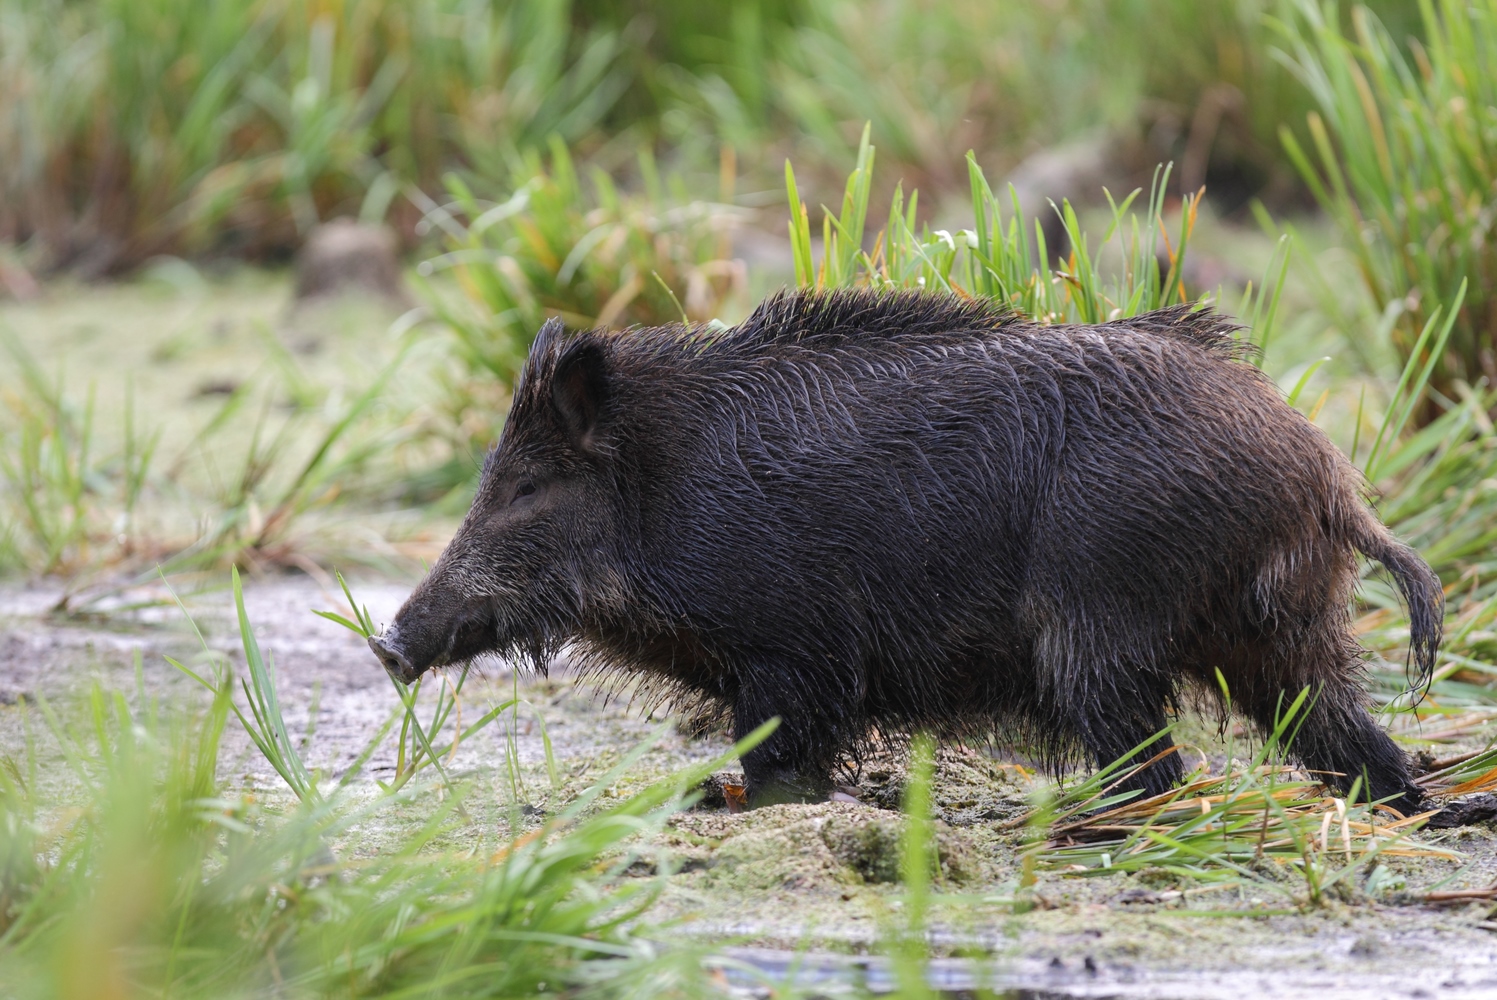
(131, 130)
(1331, 166)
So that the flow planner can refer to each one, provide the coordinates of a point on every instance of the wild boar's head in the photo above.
(514, 579)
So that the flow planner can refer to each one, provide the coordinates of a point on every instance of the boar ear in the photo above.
(579, 388)
(552, 329)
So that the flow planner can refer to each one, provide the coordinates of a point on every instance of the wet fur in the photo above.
(863, 511)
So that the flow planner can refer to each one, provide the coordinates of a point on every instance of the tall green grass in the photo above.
(130, 130)
(917, 860)
(1136, 266)
(1401, 156)
(581, 250)
(1177, 79)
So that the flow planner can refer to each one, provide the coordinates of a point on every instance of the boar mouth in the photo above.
(407, 650)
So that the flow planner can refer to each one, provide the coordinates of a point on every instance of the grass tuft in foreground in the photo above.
(149, 876)
(1259, 822)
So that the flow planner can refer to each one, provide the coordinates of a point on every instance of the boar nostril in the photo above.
(395, 662)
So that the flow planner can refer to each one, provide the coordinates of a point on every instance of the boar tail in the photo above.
(1421, 589)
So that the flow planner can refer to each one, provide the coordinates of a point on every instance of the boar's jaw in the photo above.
(415, 643)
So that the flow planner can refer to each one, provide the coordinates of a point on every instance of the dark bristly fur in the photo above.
(862, 510)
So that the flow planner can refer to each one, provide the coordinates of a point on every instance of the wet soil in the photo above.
(787, 878)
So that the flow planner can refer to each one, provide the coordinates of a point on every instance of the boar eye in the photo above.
(524, 489)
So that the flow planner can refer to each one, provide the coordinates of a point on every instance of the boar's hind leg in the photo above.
(1111, 698)
(1335, 733)
(794, 763)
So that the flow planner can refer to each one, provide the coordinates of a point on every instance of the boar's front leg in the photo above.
(794, 763)
(1110, 694)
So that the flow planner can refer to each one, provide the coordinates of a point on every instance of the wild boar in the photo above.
(864, 510)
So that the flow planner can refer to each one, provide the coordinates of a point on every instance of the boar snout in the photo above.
(435, 629)
(395, 662)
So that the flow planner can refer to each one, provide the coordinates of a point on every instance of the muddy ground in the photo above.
(816, 877)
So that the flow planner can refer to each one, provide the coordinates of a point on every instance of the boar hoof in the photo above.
(1465, 812)
(783, 792)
